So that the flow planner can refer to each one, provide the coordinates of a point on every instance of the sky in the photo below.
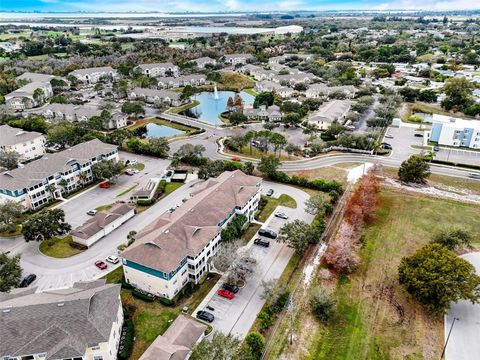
(230, 5)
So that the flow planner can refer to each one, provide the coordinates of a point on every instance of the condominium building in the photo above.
(452, 131)
(176, 248)
(158, 69)
(28, 144)
(93, 75)
(45, 179)
(80, 323)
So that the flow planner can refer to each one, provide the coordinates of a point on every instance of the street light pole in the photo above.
(448, 337)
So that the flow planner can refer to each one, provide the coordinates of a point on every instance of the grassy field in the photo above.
(250, 232)
(152, 318)
(255, 153)
(272, 204)
(59, 247)
(338, 172)
(234, 81)
(376, 318)
(409, 109)
(441, 180)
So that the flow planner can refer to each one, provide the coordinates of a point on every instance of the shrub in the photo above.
(166, 302)
(128, 342)
(146, 202)
(142, 295)
(323, 303)
(318, 184)
(255, 345)
(265, 319)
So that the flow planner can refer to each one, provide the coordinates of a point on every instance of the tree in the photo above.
(107, 169)
(10, 213)
(458, 93)
(298, 235)
(133, 107)
(415, 170)
(243, 266)
(322, 303)
(435, 277)
(158, 146)
(452, 239)
(268, 165)
(292, 119)
(278, 141)
(63, 134)
(292, 148)
(275, 295)
(315, 205)
(187, 92)
(9, 159)
(10, 272)
(236, 118)
(248, 168)
(219, 347)
(187, 150)
(45, 225)
(255, 344)
(39, 95)
(264, 98)
(226, 255)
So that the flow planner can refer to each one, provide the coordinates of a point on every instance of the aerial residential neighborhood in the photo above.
(239, 180)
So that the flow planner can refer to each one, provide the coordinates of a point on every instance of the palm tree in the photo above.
(82, 176)
(63, 183)
(51, 189)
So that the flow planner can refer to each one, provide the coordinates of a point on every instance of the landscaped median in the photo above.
(152, 318)
(60, 247)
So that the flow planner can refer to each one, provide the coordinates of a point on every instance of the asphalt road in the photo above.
(236, 316)
(463, 343)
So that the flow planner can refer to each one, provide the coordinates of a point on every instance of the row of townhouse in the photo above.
(270, 86)
(237, 59)
(153, 96)
(203, 62)
(40, 181)
(176, 248)
(90, 76)
(183, 80)
(158, 69)
(80, 323)
(457, 132)
(285, 57)
(263, 113)
(329, 112)
(80, 113)
(33, 94)
(320, 90)
(28, 144)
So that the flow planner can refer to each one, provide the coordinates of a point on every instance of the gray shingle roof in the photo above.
(61, 323)
(11, 136)
(38, 170)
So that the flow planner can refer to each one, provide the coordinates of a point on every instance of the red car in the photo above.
(226, 294)
(236, 158)
(100, 264)
(129, 173)
(104, 185)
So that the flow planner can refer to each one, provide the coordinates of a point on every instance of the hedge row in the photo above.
(318, 184)
(128, 342)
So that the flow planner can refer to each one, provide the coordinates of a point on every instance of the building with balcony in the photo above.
(28, 144)
(178, 246)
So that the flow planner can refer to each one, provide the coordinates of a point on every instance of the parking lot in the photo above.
(402, 141)
(236, 316)
(458, 156)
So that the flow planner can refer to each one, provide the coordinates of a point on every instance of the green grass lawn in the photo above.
(272, 204)
(14, 231)
(171, 187)
(59, 247)
(153, 318)
(104, 207)
(376, 318)
(255, 153)
(249, 233)
(179, 109)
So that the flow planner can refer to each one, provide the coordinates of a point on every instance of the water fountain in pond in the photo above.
(215, 92)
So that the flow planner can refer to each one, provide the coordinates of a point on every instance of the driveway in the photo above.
(60, 273)
(76, 208)
(238, 315)
(463, 343)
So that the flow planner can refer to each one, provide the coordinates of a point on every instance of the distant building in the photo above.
(204, 61)
(91, 76)
(272, 113)
(452, 131)
(102, 224)
(235, 59)
(177, 342)
(153, 96)
(158, 69)
(29, 96)
(9, 47)
(318, 90)
(38, 182)
(176, 248)
(28, 144)
(335, 110)
(82, 322)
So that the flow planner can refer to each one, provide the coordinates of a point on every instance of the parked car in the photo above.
(129, 172)
(226, 294)
(388, 136)
(230, 287)
(474, 175)
(112, 259)
(417, 134)
(436, 148)
(91, 212)
(100, 264)
(281, 215)
(28, 280)
(267, 233)
(236, 158)
(270, 192)
(104, 185)
(261, 242)
(386, 146)
(205, 315)
(131, 162)
(135, 171)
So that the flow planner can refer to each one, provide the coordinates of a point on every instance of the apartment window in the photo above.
(98, 357)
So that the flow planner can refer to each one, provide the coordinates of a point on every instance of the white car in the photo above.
(91, 212)
(135, 171)
(112, 259)
(281, 215)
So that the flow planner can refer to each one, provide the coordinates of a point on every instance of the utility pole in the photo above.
(448, 337)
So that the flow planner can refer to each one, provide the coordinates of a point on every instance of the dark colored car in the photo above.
(417, 134)
(206, 316)
(267, 233)
(261, 242)
(270, 192)
(28, 280)
(231, 287)
(436, 148)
